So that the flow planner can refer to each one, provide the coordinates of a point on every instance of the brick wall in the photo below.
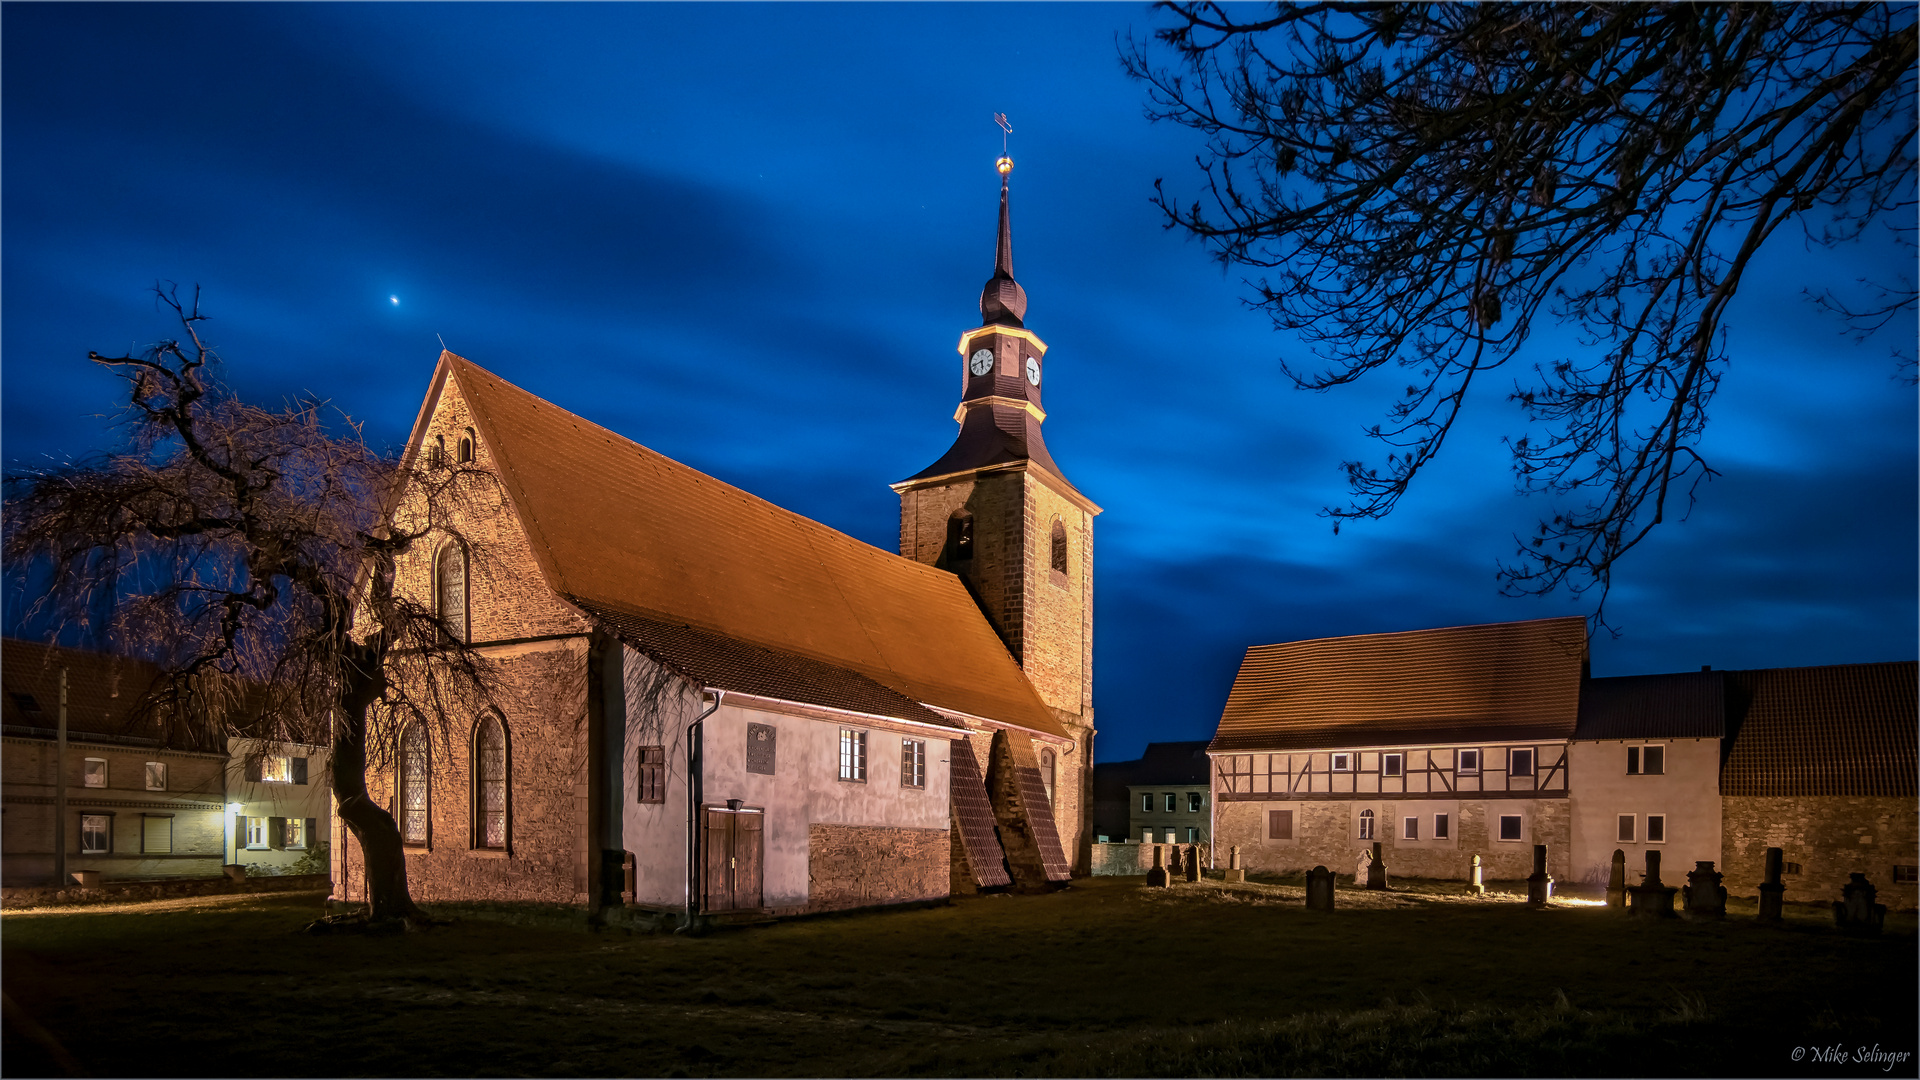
(1323, 834)
(1125, 860)
(1829, 836)
(851, 866)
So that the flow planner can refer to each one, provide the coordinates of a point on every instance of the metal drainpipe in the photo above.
(694, 734)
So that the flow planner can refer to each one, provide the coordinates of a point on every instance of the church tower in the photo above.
(997, 511)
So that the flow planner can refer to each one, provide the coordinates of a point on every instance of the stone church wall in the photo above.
(1830, 836)
(1324, 835)
(853, 866)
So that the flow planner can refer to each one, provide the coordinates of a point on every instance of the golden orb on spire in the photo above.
(1005, 165)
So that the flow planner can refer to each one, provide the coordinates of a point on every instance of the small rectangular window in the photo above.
(1193, 834)
(1633, 761)
(653, 774)
(853, 755)
(1440, 826)
(1520, 762)
(913, 763)
(276, 769)
(1628, 829)
(1279, 824)
(296, 834)
(256, 834)
(1509, 826)
(1905, 875)
(1391, 764)
(1654, 759)
(1343, 763)
(1194, 799)
(1170, 838)
(156, 776)
(1790, 868)
(1656, 828)
(1469, 763)
(1171, 798)
(1146, 803)
(1146, 835)
(96, 834)
(95, 774)
(1410, 828)
(156, 835)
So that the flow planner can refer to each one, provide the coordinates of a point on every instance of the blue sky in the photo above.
(748, 236)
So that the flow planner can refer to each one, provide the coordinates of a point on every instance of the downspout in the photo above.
(693, 809)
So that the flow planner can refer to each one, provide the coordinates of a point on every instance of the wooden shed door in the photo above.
(735, 859)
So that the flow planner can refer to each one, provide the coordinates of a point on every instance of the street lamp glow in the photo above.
(234, 808)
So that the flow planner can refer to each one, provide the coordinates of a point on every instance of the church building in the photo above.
(709, 704)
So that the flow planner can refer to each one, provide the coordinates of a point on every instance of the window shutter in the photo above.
(277, 833)
(311, 834)
(299, 770)
(240, 831)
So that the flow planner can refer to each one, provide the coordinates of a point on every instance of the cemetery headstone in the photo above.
(1234, 870)
(1360, 868)
(1773, 892)
(1652, 900)
(1539, 883)
(1617, 883)
(1706, 898)
(1157, 877)
(1319, 889)
(1479, 887)
(1193, 862)
(1855, 912)
(1376, 870)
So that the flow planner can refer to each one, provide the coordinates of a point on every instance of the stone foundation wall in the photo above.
(854, 866)
(135, 891)
(1128, 860)
(1323, 836)
(1829, 836)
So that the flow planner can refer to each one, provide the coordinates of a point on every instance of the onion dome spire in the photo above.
(1003, 302)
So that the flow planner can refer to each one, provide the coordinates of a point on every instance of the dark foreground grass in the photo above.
(1105, 979)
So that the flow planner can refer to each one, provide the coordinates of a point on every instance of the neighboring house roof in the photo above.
(102, 694)
(1500, 681)
(1174, 763)
(1688, 705)
(1844, 729)
(1110, 780)
(618, 527)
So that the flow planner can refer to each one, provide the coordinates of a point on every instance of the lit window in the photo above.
(1469, 763)
(1654, 760)
(156, 834)
(1146, 835)
(1170, 836)
(1146, 803)
(1391, 764)
(450, 590)
(256, 834)
(413, 786)
(1520, 762)
(1629, 829)
(1343, 763)
(1656, 828)
(853, 755)
(156, 776)
(95, 833)
(1366, 824)
(1439, 826)
(95, 774)
(295, 834)
(1171, 800)
(1412, 828)
(1193, 802)
(276, 769)
(913, 763)
(1279, 824)
(653, 774)
(1049, 772)
(490, 784)
(1510, 826)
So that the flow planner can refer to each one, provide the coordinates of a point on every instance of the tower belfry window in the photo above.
(960, 537)
(1060, 551)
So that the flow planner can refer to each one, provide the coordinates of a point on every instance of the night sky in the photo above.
(750, 236)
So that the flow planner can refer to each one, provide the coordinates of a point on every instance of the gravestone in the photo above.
(1234, 872)
(1705, 897)
(1652, 900)
(1478, 887)
(1539, 883)
(1772, 891)
(1157, 877)
(1856, 913)
(1376, 870)
(1193, 862)
(1360, 868)
(1617, 883)
(1173, 862)
(1319, 889)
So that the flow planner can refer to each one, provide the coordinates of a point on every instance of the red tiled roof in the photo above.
(618, 525)
(1687, 705)
(1845, 729)
(102, 694)
(1517, 680)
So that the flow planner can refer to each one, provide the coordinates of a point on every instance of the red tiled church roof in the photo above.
(616, 526)
(1501, 681)
(1844, 729)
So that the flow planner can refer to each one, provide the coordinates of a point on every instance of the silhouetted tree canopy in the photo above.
(1415, 185)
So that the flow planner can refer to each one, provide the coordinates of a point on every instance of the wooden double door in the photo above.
(735, 846)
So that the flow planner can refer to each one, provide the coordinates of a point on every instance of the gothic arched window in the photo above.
(413, 794)
(437, 452)
(490, 783)
(1049, 771)
(450, 589)
(1059, 548)
(959, 537)
(466, 448)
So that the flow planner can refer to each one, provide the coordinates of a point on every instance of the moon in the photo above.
(395, 299)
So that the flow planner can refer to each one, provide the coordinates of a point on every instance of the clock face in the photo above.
(982, 362)
(1033, 370)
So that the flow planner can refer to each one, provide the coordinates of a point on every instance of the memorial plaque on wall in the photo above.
(760, 742)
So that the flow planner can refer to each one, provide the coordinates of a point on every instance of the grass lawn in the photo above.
(1106, 978)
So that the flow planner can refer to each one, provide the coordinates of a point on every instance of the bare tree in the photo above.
(251, 553)
(1413, 184)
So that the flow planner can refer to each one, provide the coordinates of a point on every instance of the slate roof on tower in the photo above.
(621, 530)
(1502, 681)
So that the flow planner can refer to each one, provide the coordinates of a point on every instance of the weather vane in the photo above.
(1005, 164)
